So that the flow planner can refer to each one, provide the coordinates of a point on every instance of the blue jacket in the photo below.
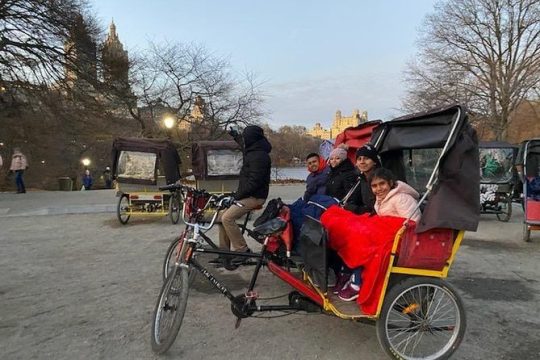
(316, 183)
(87, 181)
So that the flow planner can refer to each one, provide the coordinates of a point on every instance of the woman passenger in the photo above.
(392, 198)
(342, 176)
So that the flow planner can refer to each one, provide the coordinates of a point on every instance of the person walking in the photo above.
(87, 180)
(18, 165)
(107, 177)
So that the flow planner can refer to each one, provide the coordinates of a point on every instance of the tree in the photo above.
(482, 53)
(32, 38)
(174, 79)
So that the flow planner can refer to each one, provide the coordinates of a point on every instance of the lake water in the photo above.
(283, 173)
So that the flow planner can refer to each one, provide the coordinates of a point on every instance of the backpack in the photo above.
(270, 212)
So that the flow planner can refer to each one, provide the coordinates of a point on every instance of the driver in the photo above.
(253, 187)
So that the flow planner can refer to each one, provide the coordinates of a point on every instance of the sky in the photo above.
(312, 57)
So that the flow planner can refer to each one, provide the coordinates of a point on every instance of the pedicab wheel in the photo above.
(421, 318)
(122, 209)
(170, 259)
(506, 209)
(526, 232)
(170, 310)
(174, 209)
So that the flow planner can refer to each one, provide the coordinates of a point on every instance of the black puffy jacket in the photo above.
(362, 200)
(255, 173)
(341, 179)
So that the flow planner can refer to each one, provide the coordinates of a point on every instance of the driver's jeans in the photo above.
(229, 232)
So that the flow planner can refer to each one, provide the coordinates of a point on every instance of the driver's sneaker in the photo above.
(349, 292)
(242, 260)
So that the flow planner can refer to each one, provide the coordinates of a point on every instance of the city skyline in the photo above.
(313, 58)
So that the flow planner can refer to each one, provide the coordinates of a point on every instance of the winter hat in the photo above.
(370, 152)
(252, 134)
(339, 153)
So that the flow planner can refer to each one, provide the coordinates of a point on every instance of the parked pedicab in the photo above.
(528, 166)
(497, 178)
(140, 167)
(418, 315)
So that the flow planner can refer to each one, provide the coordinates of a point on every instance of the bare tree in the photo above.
(172, 79)
(483, 53)
(33, 35)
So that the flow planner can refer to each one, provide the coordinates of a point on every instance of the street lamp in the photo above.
(168, 122)
(86, 162)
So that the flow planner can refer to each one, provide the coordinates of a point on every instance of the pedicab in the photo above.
(497, 178)
(418, 315)
(140, 167)
(528, 166)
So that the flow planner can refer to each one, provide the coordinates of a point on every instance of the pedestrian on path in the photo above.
(107, 177)
(87, 180)
(18, 166)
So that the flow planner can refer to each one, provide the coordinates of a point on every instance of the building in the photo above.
(115, 61)
(339, 124)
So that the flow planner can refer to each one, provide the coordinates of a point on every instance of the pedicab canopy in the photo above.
(497, 162)
(436, 152)
(138, 160)
(355, 137)
(216, 160)
(529, 157)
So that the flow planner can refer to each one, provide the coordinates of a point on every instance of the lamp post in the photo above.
(86, 162)
(169, 122)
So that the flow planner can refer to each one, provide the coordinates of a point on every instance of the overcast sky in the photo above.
(314, 57)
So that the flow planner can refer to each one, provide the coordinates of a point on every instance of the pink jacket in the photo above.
(18, 162)
(400, 202)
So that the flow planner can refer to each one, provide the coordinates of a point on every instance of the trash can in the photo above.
(65, 183)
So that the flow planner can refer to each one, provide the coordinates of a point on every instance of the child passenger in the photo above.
(392, 198)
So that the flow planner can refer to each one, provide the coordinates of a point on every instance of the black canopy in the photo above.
(454, 198)
(529, 156)
(165, 151)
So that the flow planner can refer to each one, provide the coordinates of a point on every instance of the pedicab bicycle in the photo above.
(140, 166)
(418, 315)
(497, 178)
(528, 166)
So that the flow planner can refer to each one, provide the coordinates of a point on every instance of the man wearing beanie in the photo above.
(253, 187)
(362, 199)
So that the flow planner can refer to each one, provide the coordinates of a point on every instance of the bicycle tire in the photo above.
(169, 261)
(505, 216)
(526, 232)
(120, 213)
(174, 208)
(410, 309)
(162, 339)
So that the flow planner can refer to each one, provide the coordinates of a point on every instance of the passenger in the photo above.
(318, 176)
(392, 198)
(342, 176)
(341, 179)
(362, 199)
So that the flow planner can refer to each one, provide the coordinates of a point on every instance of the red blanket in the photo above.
(361, 240)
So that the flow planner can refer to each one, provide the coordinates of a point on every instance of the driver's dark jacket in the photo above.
(254, 178)
(340, 179)
(362, 199)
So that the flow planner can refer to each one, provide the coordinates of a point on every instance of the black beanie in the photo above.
(369, 151)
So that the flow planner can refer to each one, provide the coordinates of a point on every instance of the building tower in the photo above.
(115, 61)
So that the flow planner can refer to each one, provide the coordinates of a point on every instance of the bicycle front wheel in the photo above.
(174, 208)
(170, 310)
(422, 318)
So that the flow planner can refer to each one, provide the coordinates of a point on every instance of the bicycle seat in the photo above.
(271, 227)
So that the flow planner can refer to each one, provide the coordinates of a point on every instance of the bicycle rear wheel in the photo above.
(170, 310)
(422, 318)
(174, 208)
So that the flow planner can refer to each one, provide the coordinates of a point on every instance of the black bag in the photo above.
(270, 212)
(313, 240)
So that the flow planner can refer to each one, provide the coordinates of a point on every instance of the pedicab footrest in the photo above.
(429, 250)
